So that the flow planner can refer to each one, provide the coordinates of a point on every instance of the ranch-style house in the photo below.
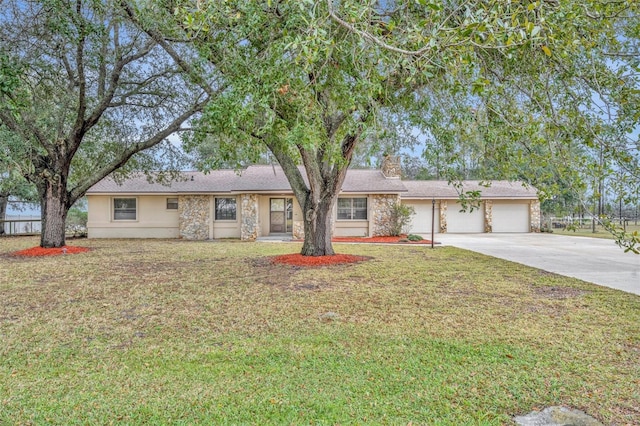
(258, 202)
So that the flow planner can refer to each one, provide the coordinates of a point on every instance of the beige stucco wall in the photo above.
(153, 219)
(351, 228)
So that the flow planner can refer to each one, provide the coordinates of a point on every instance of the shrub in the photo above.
(398, 220)
(414, 237)
(77, 222)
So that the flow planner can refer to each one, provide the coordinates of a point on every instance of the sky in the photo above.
(26, 209)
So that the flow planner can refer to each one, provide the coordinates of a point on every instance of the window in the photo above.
(124, 209)
(225, 209)
(352, 209)
(172, 204)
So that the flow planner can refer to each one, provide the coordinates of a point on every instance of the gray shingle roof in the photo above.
(272, 179)
(253, 178)
(442, 189)
(220, 181)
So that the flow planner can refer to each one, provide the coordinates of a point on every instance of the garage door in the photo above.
(421, 221)
(464, 222)
(510, 217)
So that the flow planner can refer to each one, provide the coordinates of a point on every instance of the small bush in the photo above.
(77, 222)
(414, 237)
(399, 220)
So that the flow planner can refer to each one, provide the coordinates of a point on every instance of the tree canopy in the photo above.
(83, 92)
(307, 79)
(560, 111)
(545, 91)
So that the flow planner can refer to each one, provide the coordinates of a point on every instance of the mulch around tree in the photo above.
(300, 260)
(53, 251)
(341, 259)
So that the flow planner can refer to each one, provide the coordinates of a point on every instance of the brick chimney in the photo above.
(391, 167)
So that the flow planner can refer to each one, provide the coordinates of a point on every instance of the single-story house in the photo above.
(259, 202)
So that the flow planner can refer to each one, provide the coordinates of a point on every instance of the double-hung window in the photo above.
(225, 209)
(352, 209)
(172, 204)
(125, 209)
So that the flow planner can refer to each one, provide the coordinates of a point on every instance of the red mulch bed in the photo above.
(388, 240)
(54, 251)
(300, 260)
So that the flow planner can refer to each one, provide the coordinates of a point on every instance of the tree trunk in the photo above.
(318, 227)
(54, 214)
(4, 199)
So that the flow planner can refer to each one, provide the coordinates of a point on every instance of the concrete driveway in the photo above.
(595, 260)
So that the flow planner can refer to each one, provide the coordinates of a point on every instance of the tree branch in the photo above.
(160, 40)
(121, 159)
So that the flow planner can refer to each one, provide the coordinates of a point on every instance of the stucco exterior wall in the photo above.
(195, 217)
(351, 228)
(153, 219)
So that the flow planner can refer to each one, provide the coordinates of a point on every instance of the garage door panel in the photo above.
(460, 222)
(510, 217)
(421, 221)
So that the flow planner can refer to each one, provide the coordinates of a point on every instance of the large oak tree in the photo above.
(84, 92)
(307, 79)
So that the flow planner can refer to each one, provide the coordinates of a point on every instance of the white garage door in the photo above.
(421, 221)
(464, 222)
(510, 217)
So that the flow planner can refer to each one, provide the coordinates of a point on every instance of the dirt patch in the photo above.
(315, 261)
(559, 292)
(53, 251)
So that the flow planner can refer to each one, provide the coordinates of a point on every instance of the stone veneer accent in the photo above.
(443, 216)
(391, 167)
(194, 216)
(488, 216)
(298, 230)
(381, 211)
(249, 228)
(534, 214)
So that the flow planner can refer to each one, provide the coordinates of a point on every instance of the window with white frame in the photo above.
(352, 208)
(225, 209)
(125, 208)
(172, 204)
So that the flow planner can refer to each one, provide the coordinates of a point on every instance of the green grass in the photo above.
(600, 232)
(176, 332)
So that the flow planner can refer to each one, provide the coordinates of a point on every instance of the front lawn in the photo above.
(177, 332)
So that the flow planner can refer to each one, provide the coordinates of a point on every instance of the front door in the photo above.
(281, 215)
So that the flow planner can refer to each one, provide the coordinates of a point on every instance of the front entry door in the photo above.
(281, 215)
